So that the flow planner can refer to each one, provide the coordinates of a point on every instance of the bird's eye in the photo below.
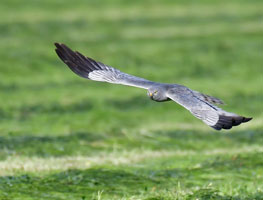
(155, 92)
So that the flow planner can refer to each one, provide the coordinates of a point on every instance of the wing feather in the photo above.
(97, 71)
(210, 114)
(208, 98)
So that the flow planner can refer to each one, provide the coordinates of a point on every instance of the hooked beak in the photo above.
(151, 95)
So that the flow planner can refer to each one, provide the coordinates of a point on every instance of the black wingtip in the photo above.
(227, 122)
(247, 119)
(58, 45)
(77, 62)
(62, 47)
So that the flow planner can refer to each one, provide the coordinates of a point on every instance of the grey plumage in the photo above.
(200, 105)
(91, 69)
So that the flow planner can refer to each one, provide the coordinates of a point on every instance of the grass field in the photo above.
(63, 137)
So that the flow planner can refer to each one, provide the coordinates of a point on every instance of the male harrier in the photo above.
(200, 105)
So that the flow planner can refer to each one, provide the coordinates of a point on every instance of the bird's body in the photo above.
(200, 105)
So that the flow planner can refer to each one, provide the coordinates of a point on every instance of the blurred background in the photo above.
(48, 113)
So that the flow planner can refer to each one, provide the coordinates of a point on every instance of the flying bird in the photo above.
(200, 105)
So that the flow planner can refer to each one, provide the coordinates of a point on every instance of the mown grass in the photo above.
(63, 137)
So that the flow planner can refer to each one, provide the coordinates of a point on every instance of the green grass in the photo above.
(63, 137)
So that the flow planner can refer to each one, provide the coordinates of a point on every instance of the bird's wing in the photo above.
(210, 114)
(93, 70)
(208, 98)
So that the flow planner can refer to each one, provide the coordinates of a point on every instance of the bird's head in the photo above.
(157, 94)
(152, 93)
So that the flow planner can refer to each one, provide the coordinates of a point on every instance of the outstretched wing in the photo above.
(203, 109)
(93, 70)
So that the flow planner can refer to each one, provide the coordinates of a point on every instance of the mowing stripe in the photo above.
(14, 164)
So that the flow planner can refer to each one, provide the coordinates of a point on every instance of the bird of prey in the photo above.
(200, 105)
